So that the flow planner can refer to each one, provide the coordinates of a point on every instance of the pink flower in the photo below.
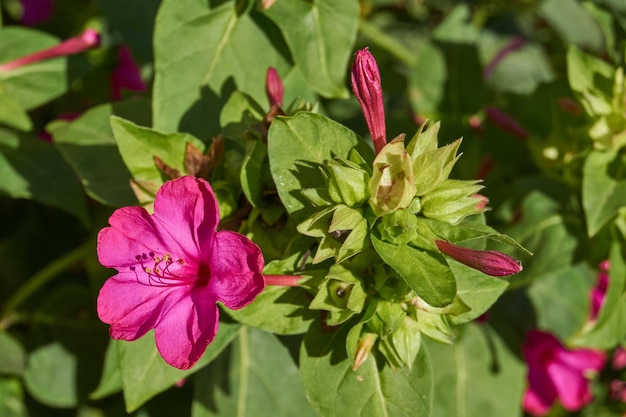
(556, 372)
(173, 268)
(367, 89)
(88, 39)
(488, 262)
(274, 87)
(619, 359)
(126, 75)
(598, 293)
(36, 11)
(505, 122)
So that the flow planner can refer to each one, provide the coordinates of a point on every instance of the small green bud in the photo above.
(347, 184)
(398, 227)
(452, 201)
(341, 293)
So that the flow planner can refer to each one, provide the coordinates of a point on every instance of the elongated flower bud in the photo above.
(274, 87)
(282, 280)
(80, 43)
(489, 262)
(367, 89)
(505, 122)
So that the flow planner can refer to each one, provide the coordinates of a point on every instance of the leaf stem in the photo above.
(44, 275)
(387, 42)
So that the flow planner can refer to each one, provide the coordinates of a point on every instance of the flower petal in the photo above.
(236, 265)
(132, 309)
(184, 333)
(187, 208)
(571, 385)
(541, 393)
(582, 359)
(132, 232)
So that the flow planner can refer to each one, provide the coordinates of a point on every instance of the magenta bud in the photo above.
(505, 122)
(367, 89)
(515, 44)
(282, 280)
(88, 39)
(489, 262)
(126, 75)
(274, 87)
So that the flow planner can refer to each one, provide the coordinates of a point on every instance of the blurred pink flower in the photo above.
(173, 268)
(36, 11)
(488, 262)
(505, 122)
(126, 74)
(274, 87)
(86, 40)
(617, 390)
(598, 293)
(556, 372)
(368, 91)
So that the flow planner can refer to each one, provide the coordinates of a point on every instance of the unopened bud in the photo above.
(274, 87)
(489, 262)
(363, 350)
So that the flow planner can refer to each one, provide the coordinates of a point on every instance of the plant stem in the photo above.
(44, 275)
(388, 43)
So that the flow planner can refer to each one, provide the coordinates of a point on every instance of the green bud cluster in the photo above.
(376, 225)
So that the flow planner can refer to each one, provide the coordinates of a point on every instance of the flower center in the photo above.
(159, 270)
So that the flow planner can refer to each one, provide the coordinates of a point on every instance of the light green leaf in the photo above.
(12, 114)
(575, 25)
(200, 49)
(561, 299)
(320, 35)
(31, 85)
(604, 188)
(145, 374)
(139, 145)
(296, 147)
(334, 389)
(111, 380)
(476, 376)
(13, 358)
(31, 168)
(427, 80)
(427, 273)
(88, 145)
(257, 378)
(50, 376)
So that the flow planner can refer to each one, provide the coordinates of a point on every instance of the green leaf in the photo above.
(31, 168)
(427, 80)
(334, 389)
(12, 398)
(476, 376)
(111, 380)
(427, 273)
(278, 310)
(573, 23)
(561, 299)
(88, 145)
(320, 36)
(603, 189)
(31, 85)
(296, 147)
(198, 50)
(257, 378)
(139, 145)
(12, 114)
(145, 374)
(50, 376)
(13, 358)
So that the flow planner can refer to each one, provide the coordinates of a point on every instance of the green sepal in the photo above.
(348, 183)
(424, 140)
(391, 186)
(386, 319)
(403, 345)
(432, 168)
(398, 227)
(452, 201)
(435, 326)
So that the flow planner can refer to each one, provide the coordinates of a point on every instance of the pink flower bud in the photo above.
(482, 201)
(367, 89)
(515, 44)
(598, 293)
(88, 39)
(505, 122)
(274, 87)
(489, 262)
(570, 105)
